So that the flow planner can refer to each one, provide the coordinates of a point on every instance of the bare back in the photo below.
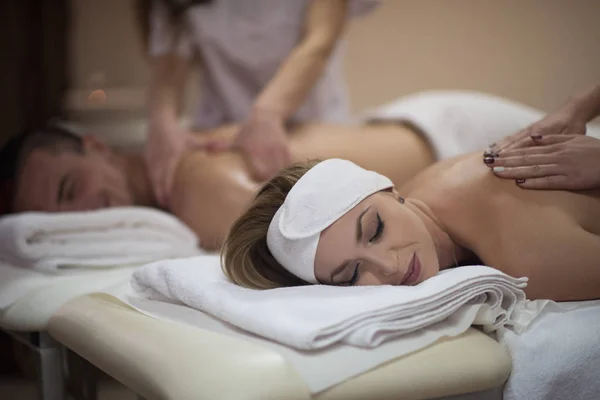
(552, 237)
(212, 190)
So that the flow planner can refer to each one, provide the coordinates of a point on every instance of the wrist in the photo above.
(161, 126)
(576, 110)
(261, 112)
(585, 106)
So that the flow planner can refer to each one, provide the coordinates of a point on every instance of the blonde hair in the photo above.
(245, 258)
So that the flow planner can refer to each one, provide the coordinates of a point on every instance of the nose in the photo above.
(86, 202)
(385, 261)
(92, 202)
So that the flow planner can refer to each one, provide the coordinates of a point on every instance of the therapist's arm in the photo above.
(169, 74)
(570, 119)
(299, 72)
(586, 105)
(554, 153)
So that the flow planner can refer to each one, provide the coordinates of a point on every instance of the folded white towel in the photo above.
(559, 355)
(459, 122)
(313, 317)
(59, 242)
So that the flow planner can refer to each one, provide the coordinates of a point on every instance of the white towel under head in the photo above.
(317, 316)
(59, 242)
(320, 197)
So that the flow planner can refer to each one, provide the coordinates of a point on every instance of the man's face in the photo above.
(69, 181)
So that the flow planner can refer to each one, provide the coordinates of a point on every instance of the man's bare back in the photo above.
(212, 190)
(552, 237)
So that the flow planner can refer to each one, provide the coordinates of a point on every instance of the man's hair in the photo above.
(16, 150)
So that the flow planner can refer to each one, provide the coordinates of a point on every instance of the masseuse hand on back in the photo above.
(553, 153)
(261, 139)
(165, 145)
(263, 143)
(261, 94)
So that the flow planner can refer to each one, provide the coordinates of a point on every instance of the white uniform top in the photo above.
(242, 44)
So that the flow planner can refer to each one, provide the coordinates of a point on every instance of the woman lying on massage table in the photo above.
(335, 223)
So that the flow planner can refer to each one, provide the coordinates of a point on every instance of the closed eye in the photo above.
(378, 231)
(355, 276)
(71, 190)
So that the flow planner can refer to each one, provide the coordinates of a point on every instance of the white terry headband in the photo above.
(320, 197)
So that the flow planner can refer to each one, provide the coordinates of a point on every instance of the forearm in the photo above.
(305, 64)
(164, 97)
(586, 105)
(290, 86)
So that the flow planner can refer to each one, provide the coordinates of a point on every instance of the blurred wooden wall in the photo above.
(34, 65)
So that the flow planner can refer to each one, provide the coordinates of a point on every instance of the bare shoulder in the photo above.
(210, 192)
(552, 237)
(445, 178)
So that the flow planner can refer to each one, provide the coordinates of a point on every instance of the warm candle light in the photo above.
(97, 97)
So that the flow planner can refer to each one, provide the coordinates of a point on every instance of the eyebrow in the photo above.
(359, 229)
(359, 234)
(61, 189)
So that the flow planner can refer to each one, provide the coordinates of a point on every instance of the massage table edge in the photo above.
(260, 373)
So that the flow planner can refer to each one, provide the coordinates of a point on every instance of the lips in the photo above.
(413, 272)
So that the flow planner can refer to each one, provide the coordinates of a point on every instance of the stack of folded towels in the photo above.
(314, 317)
(109, 238)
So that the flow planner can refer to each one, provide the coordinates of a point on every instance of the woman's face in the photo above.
(379, 242)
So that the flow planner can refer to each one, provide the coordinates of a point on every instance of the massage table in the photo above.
(26, 321)
(165, 360)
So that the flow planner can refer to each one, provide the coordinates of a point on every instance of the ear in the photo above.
(92, 144)
(397, 195)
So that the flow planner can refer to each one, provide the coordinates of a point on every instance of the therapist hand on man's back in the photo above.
(165, 145)
(263, 143)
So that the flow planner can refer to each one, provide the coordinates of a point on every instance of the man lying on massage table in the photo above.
(53, 170)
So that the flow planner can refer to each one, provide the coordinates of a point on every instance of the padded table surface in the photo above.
(38, 296)
(162, 360)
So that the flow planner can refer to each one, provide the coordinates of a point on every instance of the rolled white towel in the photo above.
(108, 238)
(459, 122)
(317, 316)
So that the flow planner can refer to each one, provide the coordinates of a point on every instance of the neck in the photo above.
(136, 173)
(449, 252)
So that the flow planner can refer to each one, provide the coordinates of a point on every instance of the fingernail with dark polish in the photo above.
(488, 160)
(536, 137)
(520, 181)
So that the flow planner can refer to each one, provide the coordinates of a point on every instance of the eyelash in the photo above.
(355, 276)
(376, 236)
(379, 230)
(70, 191)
